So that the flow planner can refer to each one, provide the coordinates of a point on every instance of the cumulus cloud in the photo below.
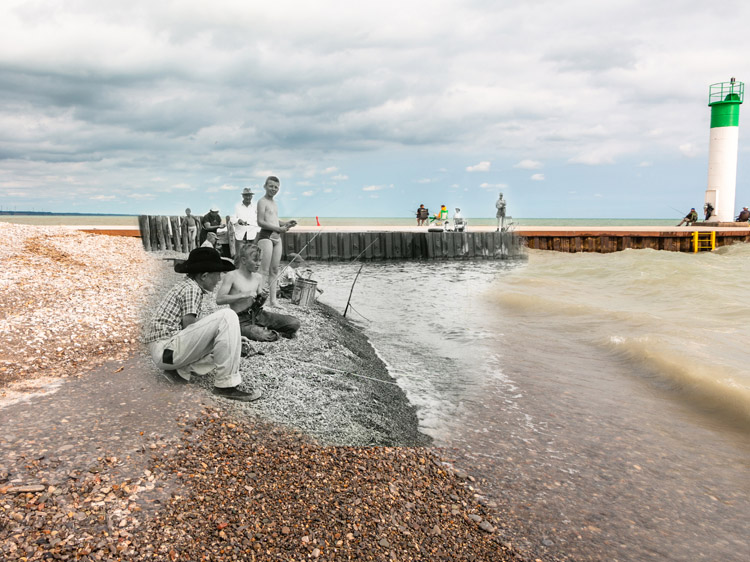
(528, 165)
(483, 166)
(537, 177)
(493, 185)
(212, 95)
(308, 193)
(424, 180)
(689, 149)
(372, 188)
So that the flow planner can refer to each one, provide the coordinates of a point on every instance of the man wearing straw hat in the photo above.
(183, 345)
(245, 220)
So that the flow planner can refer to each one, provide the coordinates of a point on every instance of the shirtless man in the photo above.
(191, 221)
(500, 206)
(242, 290)
(269, 237)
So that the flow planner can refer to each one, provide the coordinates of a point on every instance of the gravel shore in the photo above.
(100, 460)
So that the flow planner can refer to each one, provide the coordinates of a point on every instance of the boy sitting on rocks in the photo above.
(288, 277)
(242, 291)
(182, 345)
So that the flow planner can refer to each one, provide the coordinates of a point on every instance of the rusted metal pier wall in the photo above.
(606, 242)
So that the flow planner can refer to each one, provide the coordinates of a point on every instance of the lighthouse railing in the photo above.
(721, 90)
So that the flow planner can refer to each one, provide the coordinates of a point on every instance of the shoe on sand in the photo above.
(173, 377)
(234, 393)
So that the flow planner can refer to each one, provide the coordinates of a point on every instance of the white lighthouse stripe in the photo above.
(722, 169)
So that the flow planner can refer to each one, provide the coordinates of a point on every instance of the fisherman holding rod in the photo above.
(690, 218)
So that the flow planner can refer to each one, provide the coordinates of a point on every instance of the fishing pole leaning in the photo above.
(356, 277)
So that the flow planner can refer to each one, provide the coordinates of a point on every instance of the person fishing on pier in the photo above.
(422, 215)
(690, 218)
(708, 209)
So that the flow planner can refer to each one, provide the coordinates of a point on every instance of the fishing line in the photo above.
(300, 252)
(339, 371)
(358, 312)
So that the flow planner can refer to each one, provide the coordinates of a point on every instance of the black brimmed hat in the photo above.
(203, 260)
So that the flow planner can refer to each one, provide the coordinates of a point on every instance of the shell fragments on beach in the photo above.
(70, 300)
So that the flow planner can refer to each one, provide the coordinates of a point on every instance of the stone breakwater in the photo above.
(117, 465)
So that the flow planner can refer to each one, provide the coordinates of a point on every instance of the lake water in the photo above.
(604, 397)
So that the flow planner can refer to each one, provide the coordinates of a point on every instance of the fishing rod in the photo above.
(300, 252)
(681, 213)
(349, 300)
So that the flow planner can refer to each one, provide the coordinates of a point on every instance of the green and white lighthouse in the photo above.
(724, 99)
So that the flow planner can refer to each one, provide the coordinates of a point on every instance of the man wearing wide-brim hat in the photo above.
(245, 220)
(183, 345)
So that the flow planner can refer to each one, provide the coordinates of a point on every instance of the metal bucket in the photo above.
(304, 292)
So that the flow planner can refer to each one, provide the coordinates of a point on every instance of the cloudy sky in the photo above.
(572, 108)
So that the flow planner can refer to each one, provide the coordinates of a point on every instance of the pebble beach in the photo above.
(101, 459)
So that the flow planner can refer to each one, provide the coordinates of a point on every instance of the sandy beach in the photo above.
(102, 460)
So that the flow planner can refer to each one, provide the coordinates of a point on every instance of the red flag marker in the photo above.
(317, 221)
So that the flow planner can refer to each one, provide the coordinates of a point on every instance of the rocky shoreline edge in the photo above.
(115, 465)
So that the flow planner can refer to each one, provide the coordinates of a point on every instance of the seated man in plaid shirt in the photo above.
(182, 345)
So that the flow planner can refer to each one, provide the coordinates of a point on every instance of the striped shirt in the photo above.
(184, 298)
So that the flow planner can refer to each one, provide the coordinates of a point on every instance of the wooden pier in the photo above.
(337, 243)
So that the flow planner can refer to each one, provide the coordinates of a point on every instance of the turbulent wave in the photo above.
(682, 320)
(708, 385)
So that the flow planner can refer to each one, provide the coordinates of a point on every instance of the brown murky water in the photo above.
(579, 392)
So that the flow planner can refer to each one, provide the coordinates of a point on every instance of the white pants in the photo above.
(213, 342)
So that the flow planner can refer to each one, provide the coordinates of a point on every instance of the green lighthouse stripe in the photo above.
(725, 114)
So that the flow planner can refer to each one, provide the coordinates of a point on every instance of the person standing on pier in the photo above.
(191, 222)
(245, 220)
(500, 206)
(422, 215)
(269, 237)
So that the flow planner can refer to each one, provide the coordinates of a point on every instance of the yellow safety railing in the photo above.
(704, 241)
